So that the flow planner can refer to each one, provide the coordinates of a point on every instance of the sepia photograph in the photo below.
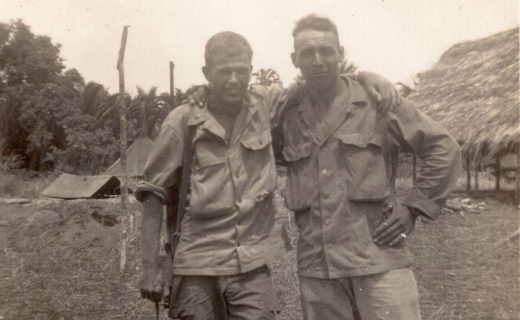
(259, 160)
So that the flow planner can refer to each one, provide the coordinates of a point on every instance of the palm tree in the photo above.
(266, 77)
(347, 67)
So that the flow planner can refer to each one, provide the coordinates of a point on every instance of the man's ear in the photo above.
(205, 71)
(341, 54)
(293, 59)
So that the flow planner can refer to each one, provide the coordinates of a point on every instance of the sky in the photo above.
(395, 38)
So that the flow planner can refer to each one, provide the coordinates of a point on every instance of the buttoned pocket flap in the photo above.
(361, 140)
(292, 152)
(366, 166)
(257, 141)
(206, 158)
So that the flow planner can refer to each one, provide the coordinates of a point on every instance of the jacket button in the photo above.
(325, 195)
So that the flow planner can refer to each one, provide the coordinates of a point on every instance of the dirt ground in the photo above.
(59, 261)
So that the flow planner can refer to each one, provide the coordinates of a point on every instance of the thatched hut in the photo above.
(473, 92)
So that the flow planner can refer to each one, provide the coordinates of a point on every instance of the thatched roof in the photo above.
(473, 92)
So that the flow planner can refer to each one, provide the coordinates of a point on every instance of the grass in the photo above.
(59, 263)
(23, 184)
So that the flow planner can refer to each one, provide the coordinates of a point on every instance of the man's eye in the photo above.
(306, 54)
(327, 52)
(242, 72)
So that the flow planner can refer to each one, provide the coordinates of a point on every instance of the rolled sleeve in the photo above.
(165, 159)
(440, 159)
(144, 187)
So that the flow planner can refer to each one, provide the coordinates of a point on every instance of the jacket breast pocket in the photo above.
(257, 159)
(301, 182)
(255, 142)
(364, 164)
(212, 193)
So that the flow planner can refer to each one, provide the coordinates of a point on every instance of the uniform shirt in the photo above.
(231, 209)
(340, 179)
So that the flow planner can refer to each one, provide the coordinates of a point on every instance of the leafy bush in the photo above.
(10, 162)
(89, 149)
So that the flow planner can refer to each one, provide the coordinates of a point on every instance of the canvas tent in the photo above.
(69, 186)
(136, 156)
(473, 92)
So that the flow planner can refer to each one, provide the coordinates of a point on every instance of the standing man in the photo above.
(341, 156)
(221, 257)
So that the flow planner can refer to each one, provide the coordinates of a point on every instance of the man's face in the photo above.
(229, 77)
(317, 54)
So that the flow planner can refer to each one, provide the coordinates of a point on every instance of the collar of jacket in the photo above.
(200, 116)
(356, 98)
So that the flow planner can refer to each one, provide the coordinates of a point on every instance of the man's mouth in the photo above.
(233, 92)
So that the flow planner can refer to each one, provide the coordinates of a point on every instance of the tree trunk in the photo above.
(127, 218)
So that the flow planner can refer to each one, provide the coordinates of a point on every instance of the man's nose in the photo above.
(317, 59)
(233, 77)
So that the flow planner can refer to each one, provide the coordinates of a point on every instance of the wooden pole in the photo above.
(476, 175)
(468, 173)
(414, 167)
(127, 220)
(497, 176)
(172, 86)
(517, 176)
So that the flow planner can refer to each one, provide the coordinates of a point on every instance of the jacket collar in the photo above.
(201, 117)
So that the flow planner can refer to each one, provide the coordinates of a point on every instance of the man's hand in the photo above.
(385, 93)
(199, 96)
(400, 222)
(152, 284)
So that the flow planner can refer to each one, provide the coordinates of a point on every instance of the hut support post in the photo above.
(414, 167)
(476, 175)
(497, 176)
(517, 175)
(468, 173)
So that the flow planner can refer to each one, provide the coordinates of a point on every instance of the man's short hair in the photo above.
(315, 22)
(228, 43)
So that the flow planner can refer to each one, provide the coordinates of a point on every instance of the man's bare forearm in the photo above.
(151, 230)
